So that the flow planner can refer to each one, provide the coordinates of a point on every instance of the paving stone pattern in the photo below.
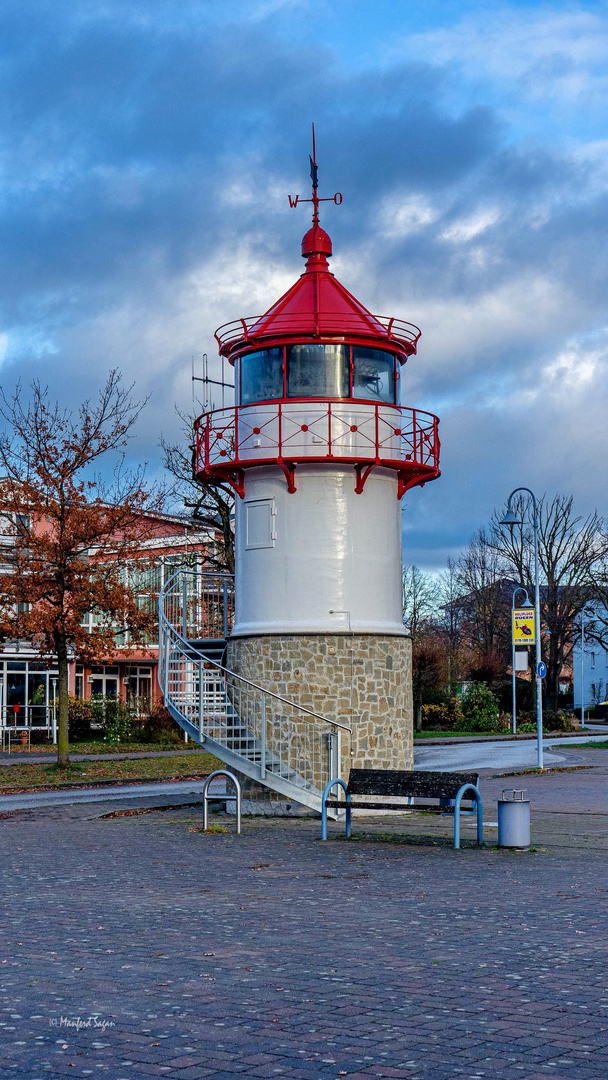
(273, 954)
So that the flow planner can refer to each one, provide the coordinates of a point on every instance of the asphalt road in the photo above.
(494, 755)
(454, 758)
(32, 800)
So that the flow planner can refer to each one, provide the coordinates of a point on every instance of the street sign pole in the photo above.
(517, 634)
(510, 519)
(539, 682)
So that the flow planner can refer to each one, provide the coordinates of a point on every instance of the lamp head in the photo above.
(510, 519)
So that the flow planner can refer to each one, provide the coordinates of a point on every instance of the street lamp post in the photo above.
(582, 667)
(511, 519)
(526, 603)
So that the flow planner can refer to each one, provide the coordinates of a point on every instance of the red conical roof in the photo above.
(317, 306)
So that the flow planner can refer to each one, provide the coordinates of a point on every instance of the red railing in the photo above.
(288, 433)
(239, 334)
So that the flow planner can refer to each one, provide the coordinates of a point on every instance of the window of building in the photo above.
(104, 681)
(79, 681)
(28, 691)
(139, 689)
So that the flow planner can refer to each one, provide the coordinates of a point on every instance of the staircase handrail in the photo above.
(163, 621)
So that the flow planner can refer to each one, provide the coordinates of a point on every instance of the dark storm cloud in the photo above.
(119, 136)
(146, 155)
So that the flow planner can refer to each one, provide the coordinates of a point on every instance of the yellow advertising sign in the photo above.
(523, 626)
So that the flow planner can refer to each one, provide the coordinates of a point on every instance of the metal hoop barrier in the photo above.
(458, 812)
(326, 791)
(207, 798)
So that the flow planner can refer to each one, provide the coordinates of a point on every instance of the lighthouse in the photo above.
(320, 448)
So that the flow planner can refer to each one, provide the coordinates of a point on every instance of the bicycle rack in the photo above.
(207, 798)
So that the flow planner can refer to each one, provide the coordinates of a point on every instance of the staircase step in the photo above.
(221, 723)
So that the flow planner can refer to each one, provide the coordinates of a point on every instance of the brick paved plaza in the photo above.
(272, 954)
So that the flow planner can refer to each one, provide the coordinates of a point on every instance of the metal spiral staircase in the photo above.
(284, 746)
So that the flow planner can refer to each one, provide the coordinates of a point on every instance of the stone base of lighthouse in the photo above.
(324, 672)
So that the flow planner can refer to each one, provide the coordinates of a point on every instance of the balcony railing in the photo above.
(363, 434)
(233, 337)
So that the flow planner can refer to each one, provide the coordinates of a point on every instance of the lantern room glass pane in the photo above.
(374, 375)
(262, 376)
(317, 371)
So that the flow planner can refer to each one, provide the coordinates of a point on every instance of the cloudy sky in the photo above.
(147, 148)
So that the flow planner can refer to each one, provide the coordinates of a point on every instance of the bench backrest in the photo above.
(429, 785)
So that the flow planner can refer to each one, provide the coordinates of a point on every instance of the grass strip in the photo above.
(34, 777)
(601, 745)
(502, 736)
(101, 747)
(539, 772)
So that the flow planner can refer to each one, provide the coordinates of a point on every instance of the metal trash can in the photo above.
(514, 820)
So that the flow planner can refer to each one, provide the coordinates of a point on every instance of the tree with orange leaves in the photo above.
(68, 536)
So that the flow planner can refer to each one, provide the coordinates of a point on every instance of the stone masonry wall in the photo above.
(316, 670)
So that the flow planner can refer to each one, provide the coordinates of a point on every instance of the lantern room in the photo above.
(317, 377)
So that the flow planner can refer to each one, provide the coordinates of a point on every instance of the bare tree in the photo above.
(450, 620)
(210, 504)
(485, 596)
(572, 554)
(420, 596)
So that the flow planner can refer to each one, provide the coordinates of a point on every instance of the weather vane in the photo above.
(337, 198)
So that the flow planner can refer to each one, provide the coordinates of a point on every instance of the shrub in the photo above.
(119, 724)
(158, 726)
(446, 716)
(556, 721)
(480, 709)
(552, 721)
(79, 719)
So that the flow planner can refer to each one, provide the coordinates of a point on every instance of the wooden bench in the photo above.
(443, 793)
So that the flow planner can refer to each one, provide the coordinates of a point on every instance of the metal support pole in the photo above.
(54, 713)
(263, 738)
(185, 608)
(338, 753)
(513, 708)
(582, 668)
(539, 681)
(225, 623)
(200, 699)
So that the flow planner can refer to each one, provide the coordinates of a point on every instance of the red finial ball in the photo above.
(316, 247)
